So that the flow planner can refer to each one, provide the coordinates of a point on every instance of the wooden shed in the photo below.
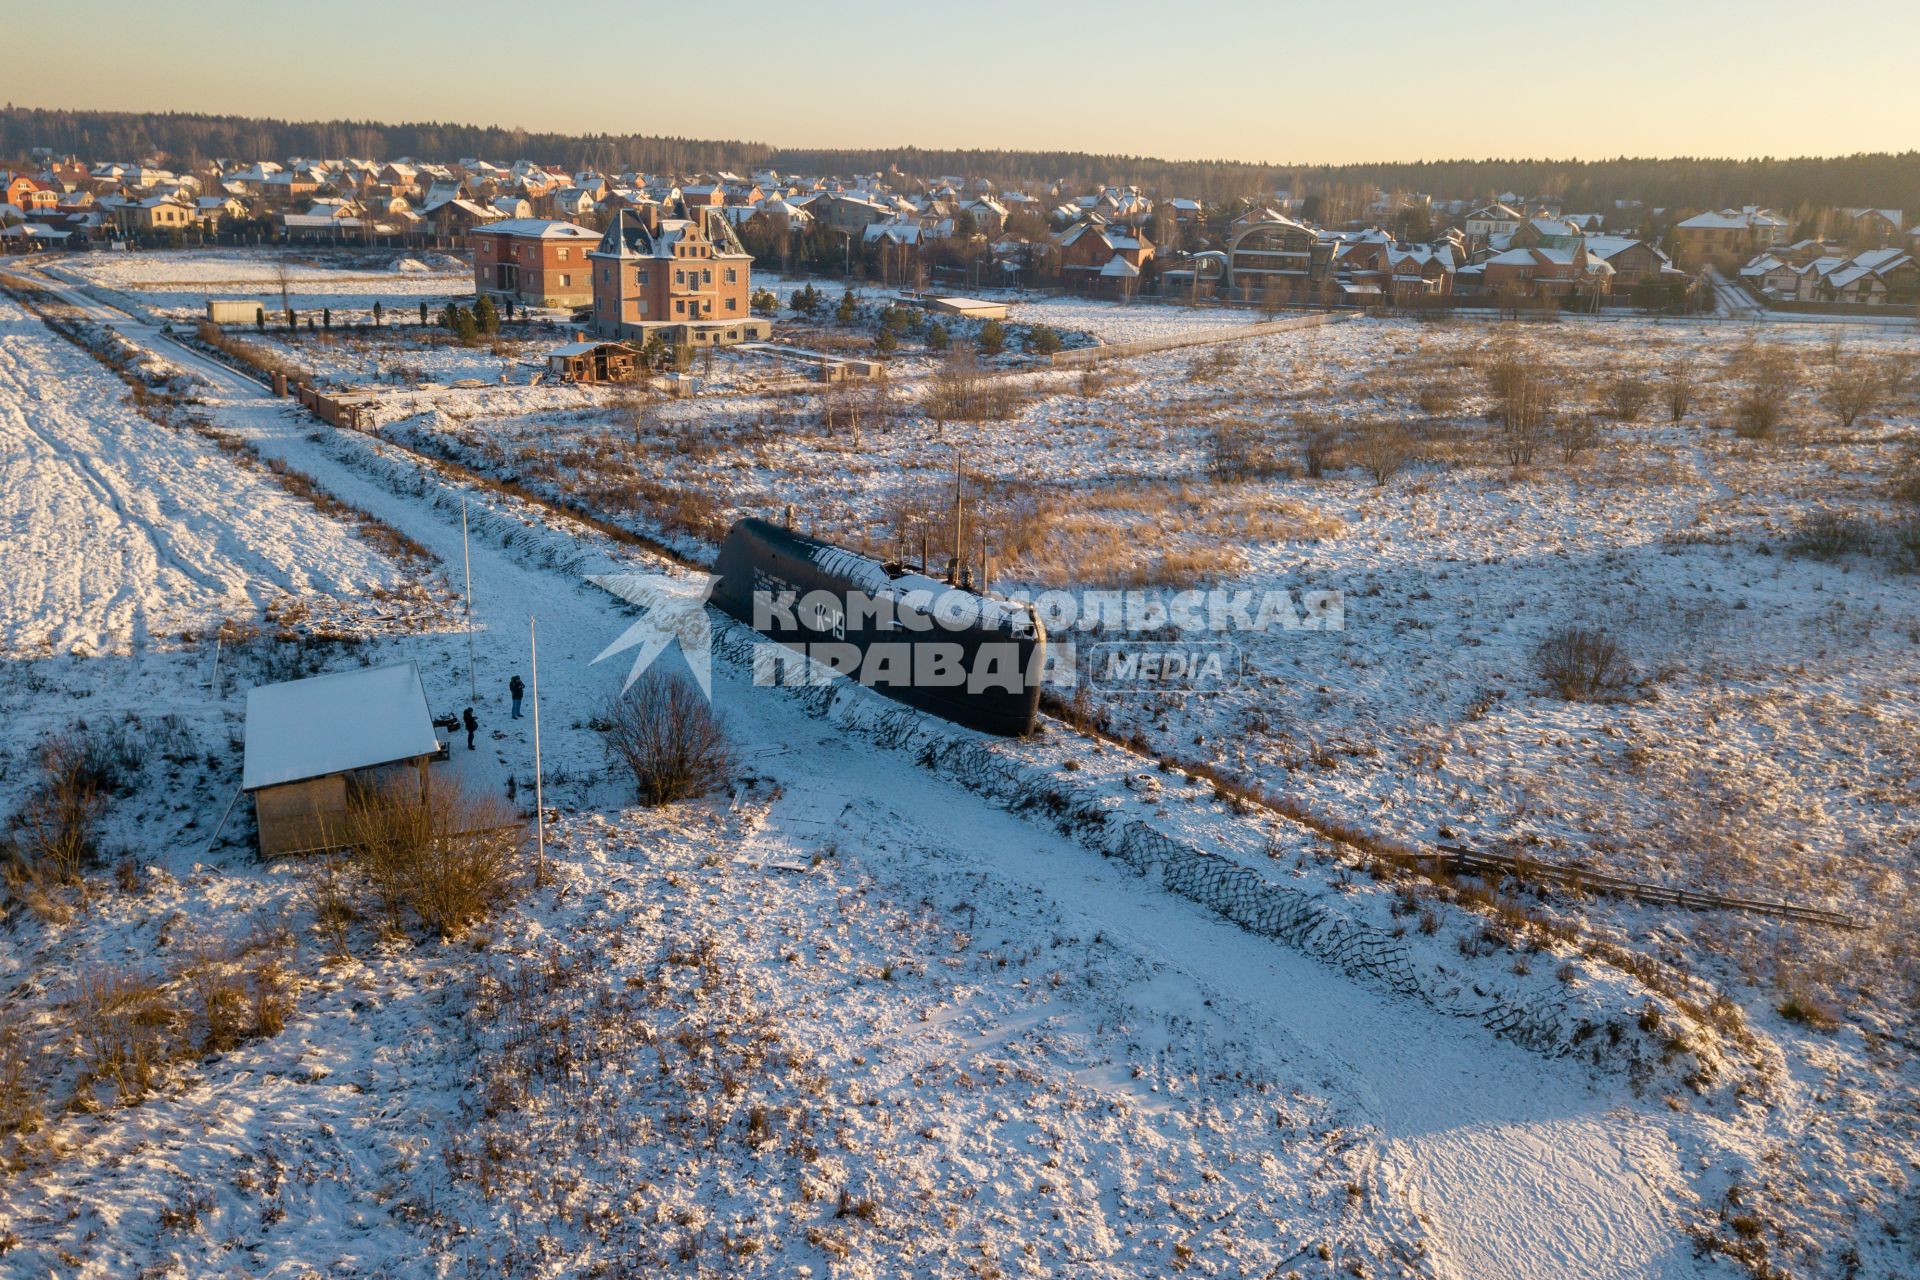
(312, 744)
(593, 362)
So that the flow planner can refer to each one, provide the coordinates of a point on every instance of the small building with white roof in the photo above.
(313, 745)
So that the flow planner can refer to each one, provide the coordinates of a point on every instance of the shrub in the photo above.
(937, 337)
(1580, 663)
(1237, 451)
(1381, 449)
(1808, 1011)
(1043, 340)
(1762, 406)
(445, 862)
(126, 1027)
(1678, 391)
(1906, 475)
(55, 830)
(667, 735)
(993, 338)
(1626, 395)
(1853, 387)
(1830, 535)
(1317, 444)
(20, 1097)
(1577, 435)
(960, 391)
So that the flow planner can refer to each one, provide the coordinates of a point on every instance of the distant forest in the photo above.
(1881, 180)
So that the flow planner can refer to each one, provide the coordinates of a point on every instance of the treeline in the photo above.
(1882, 180)
(188, 139)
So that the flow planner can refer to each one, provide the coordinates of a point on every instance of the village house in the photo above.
(1271, 255)
(1492, 220)
(1097, 257)
(1873, 228)
(1726, 238)
(1546, 273)
(1633, 261)
(536, 262)
(686, 279)
(153, 214)
(29, 195)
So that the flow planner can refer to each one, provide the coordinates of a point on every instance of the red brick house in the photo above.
(687, 279)
(1097, 257)
(537, 262)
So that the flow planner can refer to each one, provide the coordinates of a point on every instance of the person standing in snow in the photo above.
(518, 690)
(472, 724)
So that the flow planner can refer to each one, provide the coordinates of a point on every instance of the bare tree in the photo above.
(1523, 405)
(666, 734)
(1853, 387)
(1381, 449)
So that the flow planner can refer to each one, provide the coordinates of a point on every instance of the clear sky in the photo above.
(1282, 81)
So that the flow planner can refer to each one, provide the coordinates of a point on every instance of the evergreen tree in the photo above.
(260, 319)
(423, 311)
(844, 312)
(937, 337)
(465, 326)
(485, 316)
(376, 313)
(993, 338)
(886, 344)
(1042, 340)
(326, 318)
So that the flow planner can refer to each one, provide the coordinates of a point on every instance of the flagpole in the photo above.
(539, 799)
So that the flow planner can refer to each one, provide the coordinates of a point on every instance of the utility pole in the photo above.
(466, 556)
(956, 508)
(539, 795)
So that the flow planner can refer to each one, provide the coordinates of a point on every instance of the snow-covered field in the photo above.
(347, 281)
(121, 532)
(962, 1042)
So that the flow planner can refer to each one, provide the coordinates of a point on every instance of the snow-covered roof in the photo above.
(335, 723)
(541, 229)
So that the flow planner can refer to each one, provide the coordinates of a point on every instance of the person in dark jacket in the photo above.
(518, 690)
(472, 724)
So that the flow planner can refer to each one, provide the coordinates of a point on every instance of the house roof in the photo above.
(334, 723)
(541, 229)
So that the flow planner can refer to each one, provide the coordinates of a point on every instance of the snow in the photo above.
(347, 281)
(334, 723)
(121, 531)
(1030, 1058)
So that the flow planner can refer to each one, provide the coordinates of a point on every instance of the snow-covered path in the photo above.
(1520, 1166)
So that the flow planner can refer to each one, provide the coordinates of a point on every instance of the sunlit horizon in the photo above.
(1400, 83)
